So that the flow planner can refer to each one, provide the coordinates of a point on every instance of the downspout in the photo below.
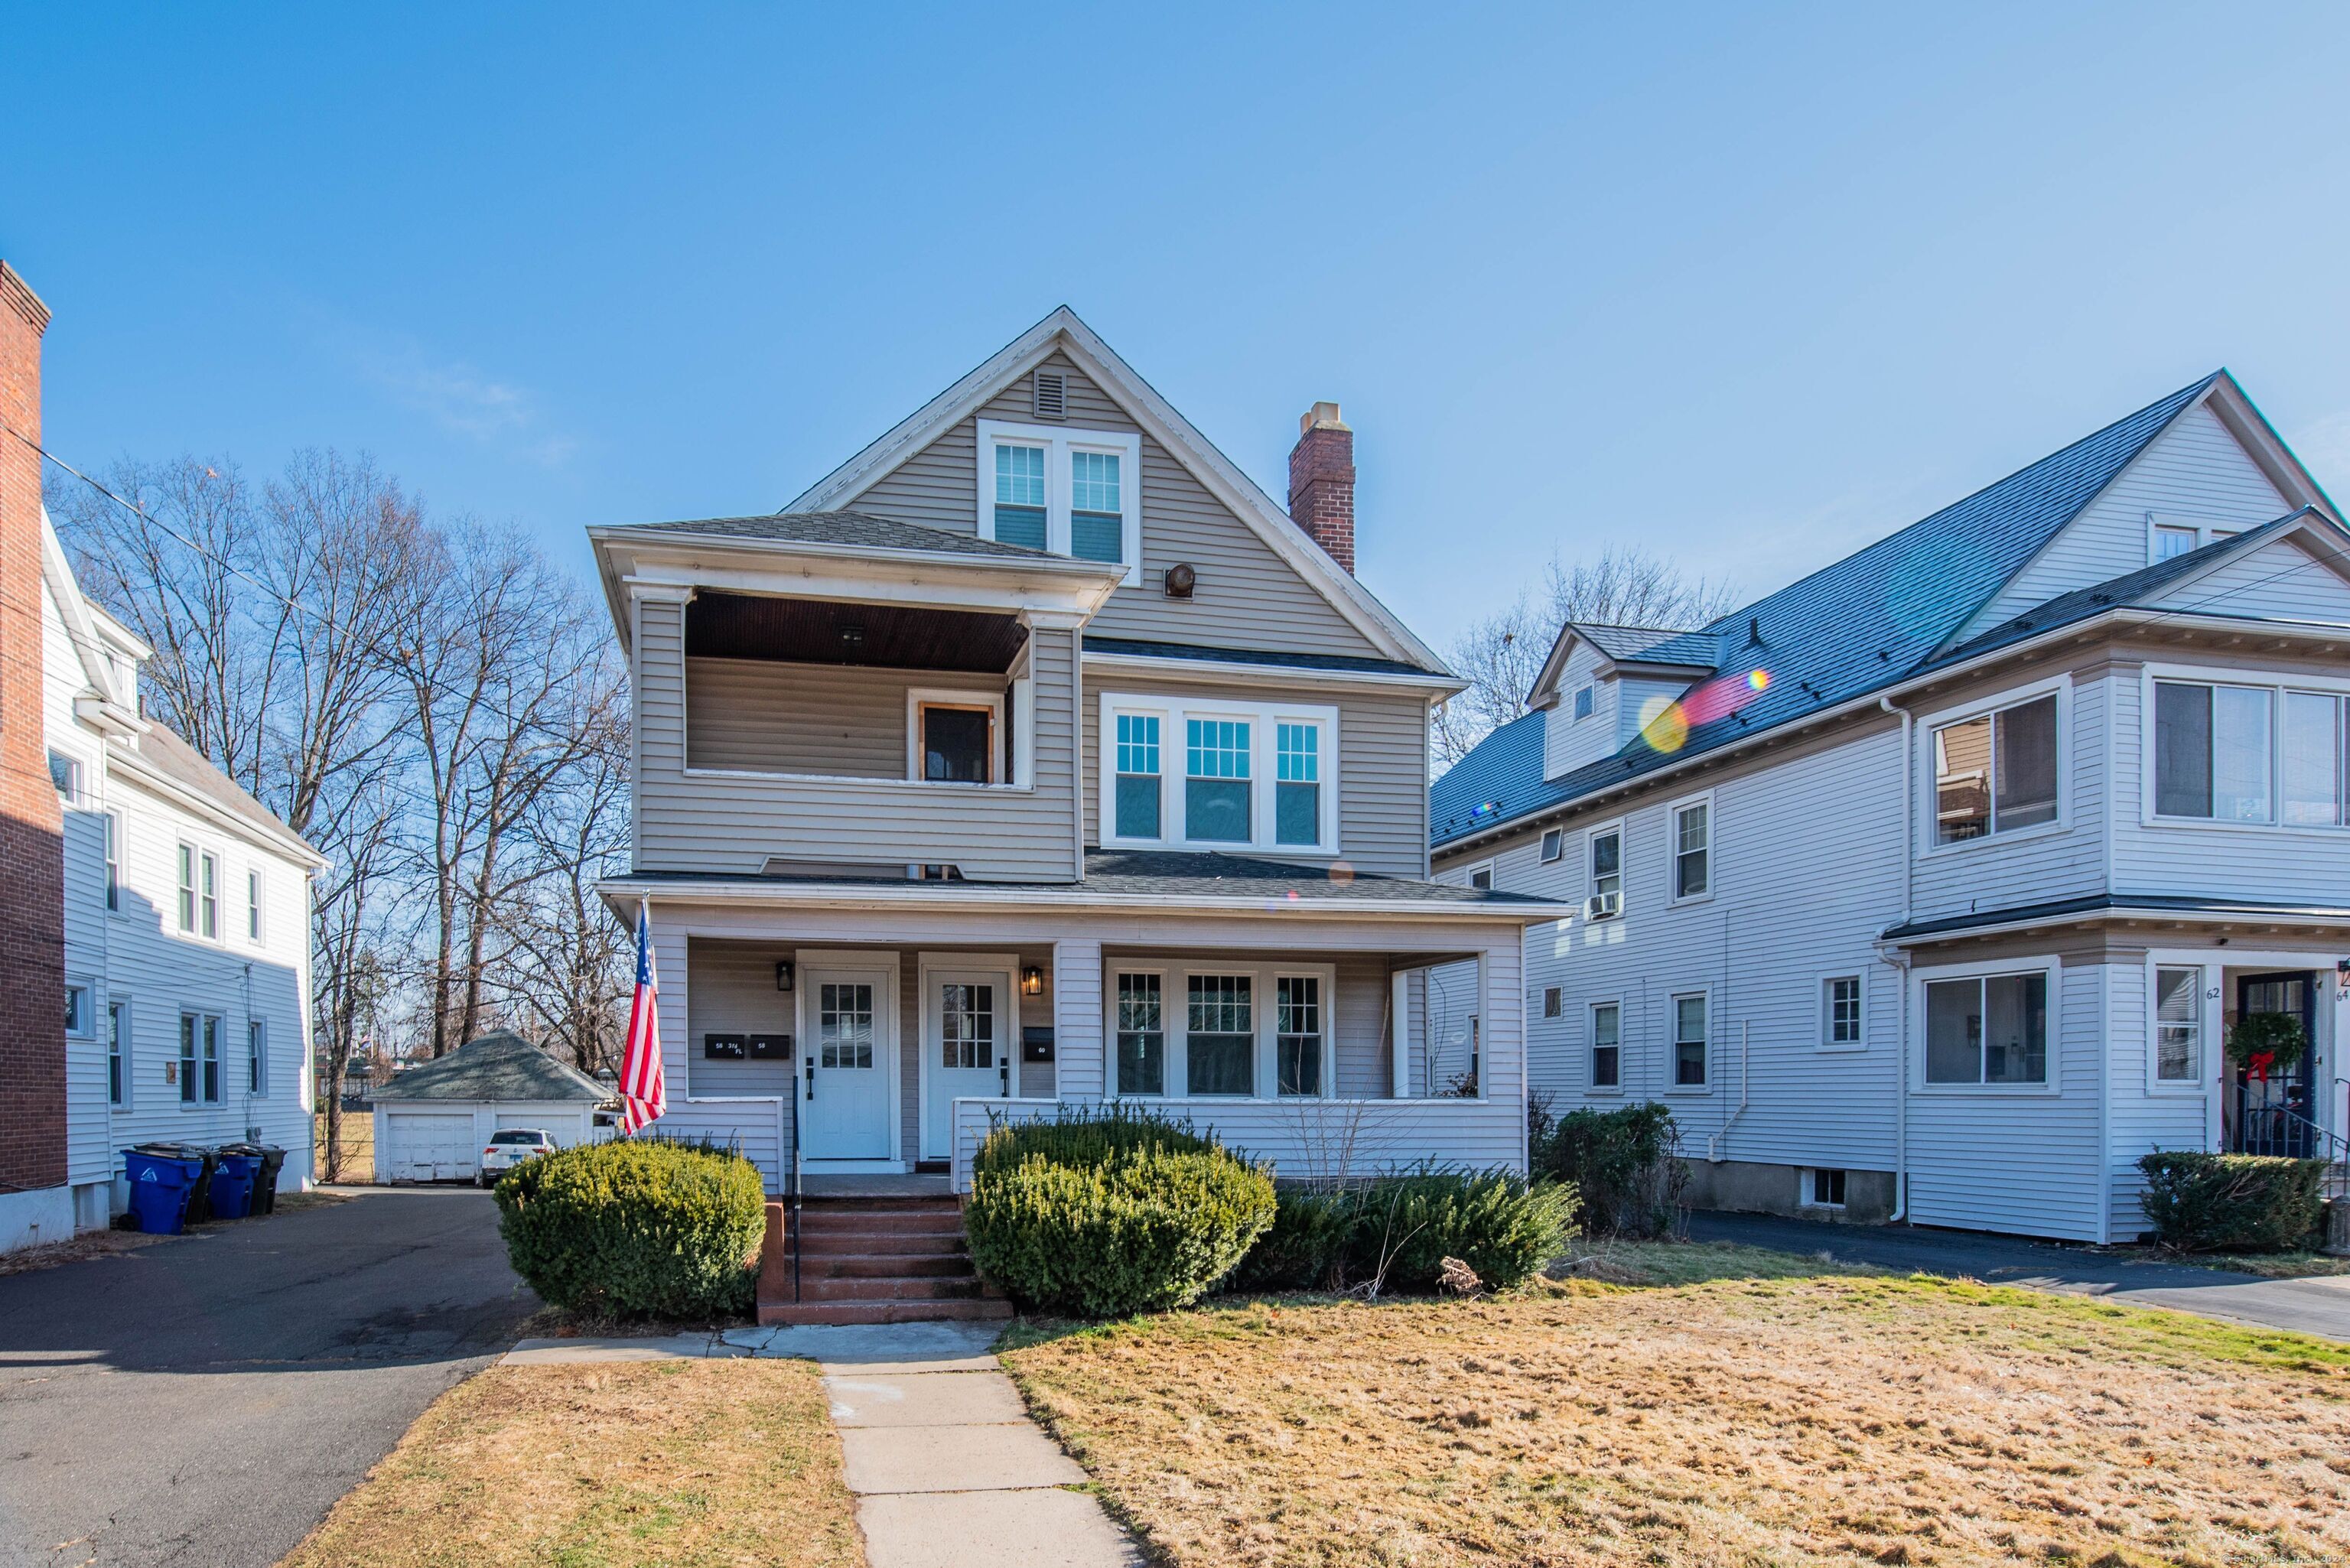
(1900, 964)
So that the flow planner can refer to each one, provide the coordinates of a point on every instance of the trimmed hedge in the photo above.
(637, 1229)
(1108, 1213)
(2239, 1202)
(1624, 1164)
(1396, 1232)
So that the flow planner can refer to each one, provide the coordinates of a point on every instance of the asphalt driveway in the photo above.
(202, 1403)
(2318, 1306)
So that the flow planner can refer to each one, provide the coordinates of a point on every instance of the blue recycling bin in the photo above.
(232, 1185)
(160, 1185)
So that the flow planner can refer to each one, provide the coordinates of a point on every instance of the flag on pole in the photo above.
(642, 1097)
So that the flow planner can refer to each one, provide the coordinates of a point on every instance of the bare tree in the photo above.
(1501, 655)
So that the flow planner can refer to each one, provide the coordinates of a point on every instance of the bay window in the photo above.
(1996, 771)
(2233, 752)
(1988, 1030)
(1253, 775)
(1068, 492)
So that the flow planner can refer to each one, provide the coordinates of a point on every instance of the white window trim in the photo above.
(1805, 1188)
(1821, 1040)
(2045, 964)
(207, 860)
(1554, 846)
(2276, 685)
(1172, 712)
(1672, 1042)
(2208, 1008)
(76, 794)
(1591, 1043)
(2207, 530)
(115, 848)
(1673, 848)
(89, 1030)
(919, 697)
(257, 1058)
(187, 887)
(256, 906)
(117, 1048)
(1002, 969)
(1550, 994)
(1175, 1018)
(194, 1064)
(1469, 875)
(1059, 441)
(1575, 702)
(1599, 830)
(1928, 806)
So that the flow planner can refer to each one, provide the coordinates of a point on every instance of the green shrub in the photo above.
(1087, 1135)
(1624, 1164)
(1103, 1214)
(2241, 1202)
(1394, 1232)
(636, 1228)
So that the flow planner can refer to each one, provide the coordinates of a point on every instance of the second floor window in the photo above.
(1137, 805)
(1606, 872)
(958, 743)
(113, 825)
(1259, 775)
(253, 904)
(1995, 772)
(208, 894)
(1692, 850)
(1216, 780)
(2248, 753)
(1020, 496)
(187, 887)
(1297, 784)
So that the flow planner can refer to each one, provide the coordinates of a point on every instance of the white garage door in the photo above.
(421, 1146)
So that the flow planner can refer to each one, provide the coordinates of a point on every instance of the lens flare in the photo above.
(1664, 724)
(1758, 680)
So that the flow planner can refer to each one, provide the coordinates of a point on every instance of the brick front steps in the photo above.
(872, 1259)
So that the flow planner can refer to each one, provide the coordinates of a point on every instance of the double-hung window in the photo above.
(1216, 780)
(1692, 850)
(1070, 492)
(1297, 1034)
(1606, 1046)
(117, 1053)
(1141, 1034)
(2178, 1024)
(1996, 771)
(2240, 752)
(1297, 784)
(1138, 782)
(1689, 1041)
(253, 900)
(1220, 1036)
(188, 888)
(208, 894)
(257, 1058)
(1840, 1011)
(199, 1063)
(112, 822)
(1235, 1031)
(1988, 1030)
(1606, 873)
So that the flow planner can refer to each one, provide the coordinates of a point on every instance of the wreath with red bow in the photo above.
(2266, 1043)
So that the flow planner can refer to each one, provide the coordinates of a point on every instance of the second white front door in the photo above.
(845, 1064)
(966, 1047)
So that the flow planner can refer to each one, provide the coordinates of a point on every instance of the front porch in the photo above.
(863, 1045)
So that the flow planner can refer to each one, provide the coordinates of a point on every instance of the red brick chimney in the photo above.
(32, 826)
(1322, 481)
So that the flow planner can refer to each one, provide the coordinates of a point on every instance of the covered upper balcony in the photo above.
(833, 694)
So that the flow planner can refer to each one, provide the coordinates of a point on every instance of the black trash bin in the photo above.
(265, 1185)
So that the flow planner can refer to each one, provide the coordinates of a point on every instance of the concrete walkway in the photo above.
(948, 1469)
(2314, 1306)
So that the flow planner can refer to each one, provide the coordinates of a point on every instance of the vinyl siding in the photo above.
(1631, 698)
(2281, 580)
(1569, 743)
(1382, 764)
(2195, 471)
(1248, 597)
(761, 715)
(718, 822)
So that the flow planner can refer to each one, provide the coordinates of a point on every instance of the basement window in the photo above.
(1823, 1188)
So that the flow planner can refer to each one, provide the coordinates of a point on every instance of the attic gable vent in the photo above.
(1052, 393)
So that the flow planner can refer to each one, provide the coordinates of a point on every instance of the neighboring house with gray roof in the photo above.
(433, 1120)
(1036, 756)
(187, 923)
(1928, 885)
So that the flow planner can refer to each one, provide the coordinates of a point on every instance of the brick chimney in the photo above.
(32, 828)
(1322, 481)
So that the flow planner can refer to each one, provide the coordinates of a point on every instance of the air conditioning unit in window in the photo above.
(1601, 906)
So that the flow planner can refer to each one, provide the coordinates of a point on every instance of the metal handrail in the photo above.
(792, 1214)
(2325, 1143)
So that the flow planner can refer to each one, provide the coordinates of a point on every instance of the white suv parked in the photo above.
(509, 1147)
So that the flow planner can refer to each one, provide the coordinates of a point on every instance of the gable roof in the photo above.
(1061, 331)
(856, 530)
(499, 1066)
(1862, 623)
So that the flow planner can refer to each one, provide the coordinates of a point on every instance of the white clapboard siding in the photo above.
(1247, 596)
(848, 722)
(1569, 743)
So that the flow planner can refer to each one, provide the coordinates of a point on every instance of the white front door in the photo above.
(845, 1065)
(966, 1047)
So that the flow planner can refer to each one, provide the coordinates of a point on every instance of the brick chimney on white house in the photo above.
(1322, 481)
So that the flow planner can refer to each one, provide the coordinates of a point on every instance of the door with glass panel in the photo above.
(845, 1064)
(966, 1047)
(2274, 1109)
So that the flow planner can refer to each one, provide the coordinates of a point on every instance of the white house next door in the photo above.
(845, 1065)
(966, 1047)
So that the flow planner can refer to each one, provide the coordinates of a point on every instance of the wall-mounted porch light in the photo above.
(1032, 980)
(783, 974)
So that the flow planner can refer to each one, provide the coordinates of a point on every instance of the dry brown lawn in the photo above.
(701, 1462)
(1834, 1419)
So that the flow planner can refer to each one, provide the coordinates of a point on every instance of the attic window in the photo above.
(1051, 395)
(1070, 492)
(1586, 699)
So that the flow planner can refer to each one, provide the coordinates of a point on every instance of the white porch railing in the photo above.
(1302, 1138)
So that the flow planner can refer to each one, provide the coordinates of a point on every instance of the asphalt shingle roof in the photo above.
(497, 1066)
(1848, 628)
(1628, 644)
(182, 761)
(1343, 662)
(856, 529)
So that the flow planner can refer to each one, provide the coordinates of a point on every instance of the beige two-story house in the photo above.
(1036, 756)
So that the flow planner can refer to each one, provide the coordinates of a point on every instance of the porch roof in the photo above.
(2122, 906)
(1129, 878)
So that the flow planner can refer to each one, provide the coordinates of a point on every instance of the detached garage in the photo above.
(431, 1122)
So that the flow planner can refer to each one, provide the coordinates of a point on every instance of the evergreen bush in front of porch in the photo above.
(2232, 1202)
(636, 1228)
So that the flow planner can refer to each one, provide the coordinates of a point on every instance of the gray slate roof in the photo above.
(859, 530)
(500, 1066)
(1865, 622)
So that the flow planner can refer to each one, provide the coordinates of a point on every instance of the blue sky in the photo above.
(1748, 287)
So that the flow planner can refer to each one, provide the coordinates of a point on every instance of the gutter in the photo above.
(968, 896)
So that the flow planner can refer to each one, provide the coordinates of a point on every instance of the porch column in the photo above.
(1399, 1035)
(1079, 1056)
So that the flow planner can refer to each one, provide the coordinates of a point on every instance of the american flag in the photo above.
(642, 1098)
